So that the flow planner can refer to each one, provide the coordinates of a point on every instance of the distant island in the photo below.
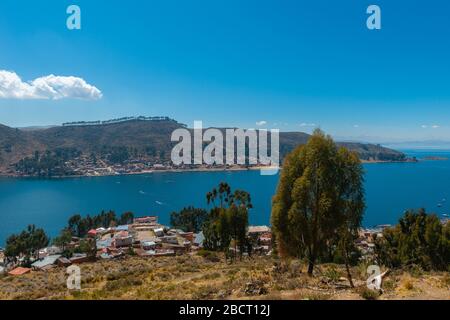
(128, 145)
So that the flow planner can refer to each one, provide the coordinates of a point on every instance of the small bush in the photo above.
(407, 285)
(416, 271)
(332, 274)
(316, 296)
(209, 255)
(204, 293)
(446, 280)
(295, 268)
(389, 285)
(122, 283)
(369, 294)
(292, 284)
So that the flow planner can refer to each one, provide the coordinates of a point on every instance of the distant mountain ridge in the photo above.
(138, 137)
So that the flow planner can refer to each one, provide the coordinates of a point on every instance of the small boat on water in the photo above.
(445, 215)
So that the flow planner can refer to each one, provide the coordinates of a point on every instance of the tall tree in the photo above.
(350, 206)
(189, 219)
(240, 203)
(319, 199)
(26, 244)
(126, 218)
(64, 238)
(228, 221)
(419, 239)
(73, 224)
(38, 239)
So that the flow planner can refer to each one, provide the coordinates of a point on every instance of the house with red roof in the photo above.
(19, 271)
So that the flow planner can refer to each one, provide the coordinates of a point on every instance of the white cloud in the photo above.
(356, 126)
(434, 126)
(48, 87)
(261, 123)
(304, 124)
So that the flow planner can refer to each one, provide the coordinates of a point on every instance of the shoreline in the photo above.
(409, 160)
(140, 173)
(174, 170)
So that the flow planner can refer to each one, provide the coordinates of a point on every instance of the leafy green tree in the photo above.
(240, 203)
(419, 239)
(26, 244)
(216, 227)
(189, 219)
(88, 246)
(227, 220)
(211, 231)
(319, 200)
(126, 218)
(350, 204)
(48, 164)
(237, 219)
(15, 247)
(80, 226)
(64, 238)
(73, 224)
(38, 239)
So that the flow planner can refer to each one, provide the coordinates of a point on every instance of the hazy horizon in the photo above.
(397, 143)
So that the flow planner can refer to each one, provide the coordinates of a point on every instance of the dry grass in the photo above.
(210, 277)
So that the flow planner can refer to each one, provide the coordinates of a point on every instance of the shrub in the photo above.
(389, 285)
(369, 294)
(204, 293)
(418, 240)
(332, 274)
(209, 255)
(316, 296)
(408, 285)
(121, 283)
(446, 280)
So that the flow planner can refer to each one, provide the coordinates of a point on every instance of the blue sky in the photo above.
(293, 64)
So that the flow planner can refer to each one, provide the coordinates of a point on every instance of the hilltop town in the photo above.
(146, 237)
(146, 260)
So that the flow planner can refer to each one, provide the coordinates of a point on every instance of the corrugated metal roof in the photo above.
(49, 260)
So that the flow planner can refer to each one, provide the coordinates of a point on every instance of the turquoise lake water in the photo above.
(391, 188)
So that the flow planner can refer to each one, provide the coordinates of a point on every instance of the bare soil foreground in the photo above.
(210, 277)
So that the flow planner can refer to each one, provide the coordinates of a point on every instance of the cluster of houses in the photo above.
(145, 237)
(85, 165)
(366, 239)
(261, 237)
